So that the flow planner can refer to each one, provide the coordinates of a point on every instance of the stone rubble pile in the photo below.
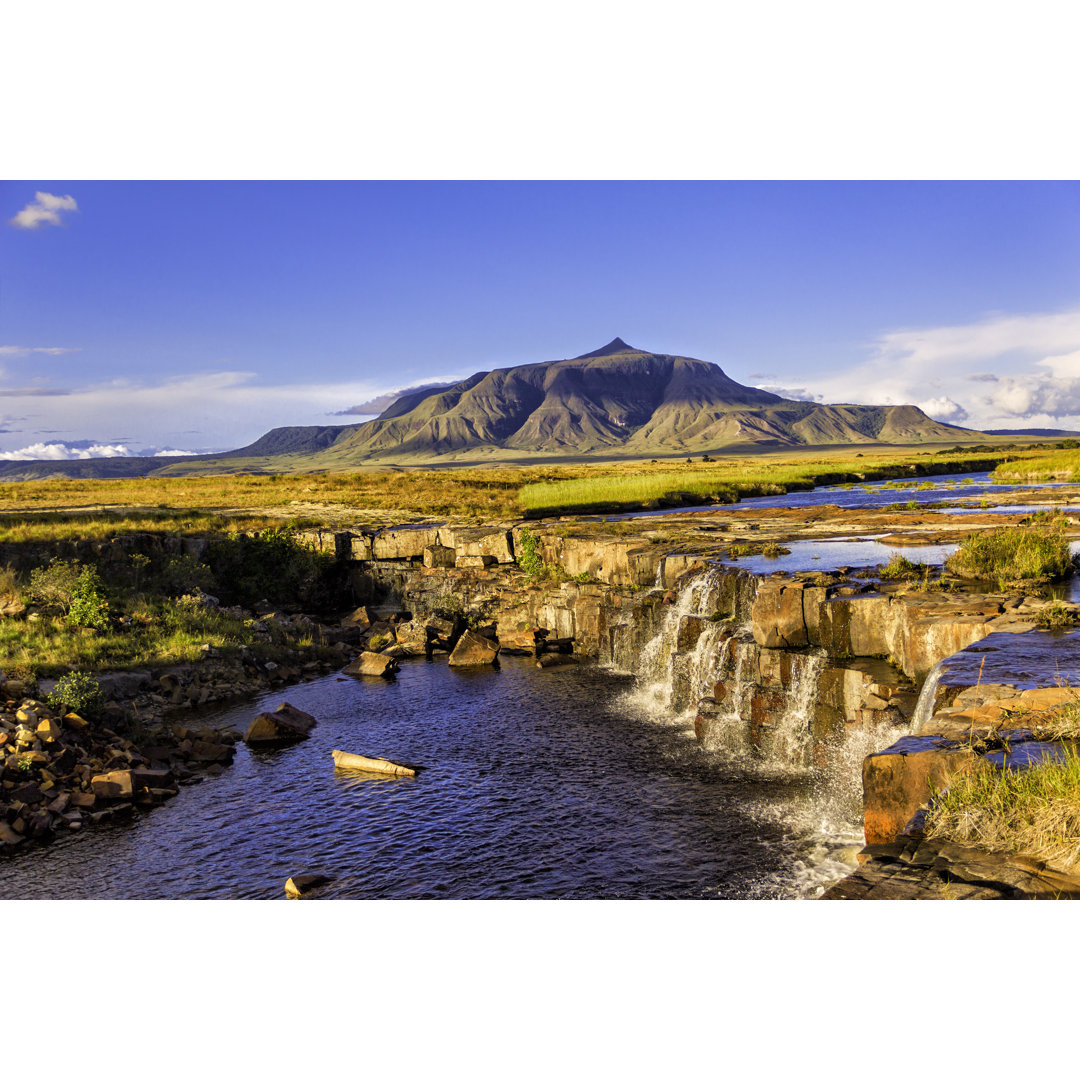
(59, 773)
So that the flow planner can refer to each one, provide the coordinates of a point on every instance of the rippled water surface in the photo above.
(534, 784)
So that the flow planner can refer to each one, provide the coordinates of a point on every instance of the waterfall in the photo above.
(924, 708)
(671, 679)
(760, 729)
(789, 746)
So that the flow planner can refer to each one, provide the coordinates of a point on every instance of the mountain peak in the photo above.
(615, 345)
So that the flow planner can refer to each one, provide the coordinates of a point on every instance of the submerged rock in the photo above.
(285, 724)
(473, 650)
(373, 664)
(299, 885)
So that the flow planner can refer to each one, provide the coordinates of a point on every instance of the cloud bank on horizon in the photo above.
(1002, 371)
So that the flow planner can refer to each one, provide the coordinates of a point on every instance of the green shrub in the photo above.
(773, 550)
(88, 605)
(78, 692)
(1057, 615)
(272, 565)
(53, 586)
(528, 553)
(185, 574)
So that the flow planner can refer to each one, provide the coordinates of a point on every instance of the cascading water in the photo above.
(924, 709)
(669, 679)
(815, 792)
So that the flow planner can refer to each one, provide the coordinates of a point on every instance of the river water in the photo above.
(558, 783)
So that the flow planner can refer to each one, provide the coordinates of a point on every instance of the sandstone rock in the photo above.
(518, 641)
(372, 663)
(360, 617)
(74, 722)
(435, 555)
(778, 615)
(412, 638)
(299, 885)
(48, 730)
(404, 542)
(124, 783)
(556, 659)
(204, 752)
(475, 562)
(285, 724)
(897, 782)
(473, 650)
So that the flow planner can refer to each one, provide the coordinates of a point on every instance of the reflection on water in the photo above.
(831, 554)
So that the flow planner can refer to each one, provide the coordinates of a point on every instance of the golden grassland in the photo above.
(1047, 465)
(190, 502)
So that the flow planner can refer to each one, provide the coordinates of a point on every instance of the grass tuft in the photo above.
(1034, 811)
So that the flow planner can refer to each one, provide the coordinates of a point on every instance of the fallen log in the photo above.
(344, 760)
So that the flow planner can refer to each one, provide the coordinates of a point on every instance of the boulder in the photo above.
(412, 638)
(360, 617)
(371, 663)
(285, 724)
(124, 783)
(473, 650)
(518, 641)
(404, 542)
(475, 562)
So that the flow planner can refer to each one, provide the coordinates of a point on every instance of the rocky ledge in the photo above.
(917, 869)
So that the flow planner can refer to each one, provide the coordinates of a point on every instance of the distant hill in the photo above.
(1041, 432)
(615, 401)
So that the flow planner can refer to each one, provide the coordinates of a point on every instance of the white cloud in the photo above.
(985, 373)
(795, 393)
(27, 350)
(58, 451)
(44, 210)
(943, 408)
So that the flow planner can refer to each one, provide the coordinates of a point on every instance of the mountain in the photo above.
(622, 400)
(616, 401)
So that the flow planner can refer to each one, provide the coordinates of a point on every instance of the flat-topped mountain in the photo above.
(615, 401)
(622, 399)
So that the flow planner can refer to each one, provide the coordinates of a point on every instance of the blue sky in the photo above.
(139, 316)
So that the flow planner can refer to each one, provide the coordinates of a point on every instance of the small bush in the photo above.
(88, 604)
(773, 550)
(185, 574)
(528, 556)
(78, 692)
(53, 586)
